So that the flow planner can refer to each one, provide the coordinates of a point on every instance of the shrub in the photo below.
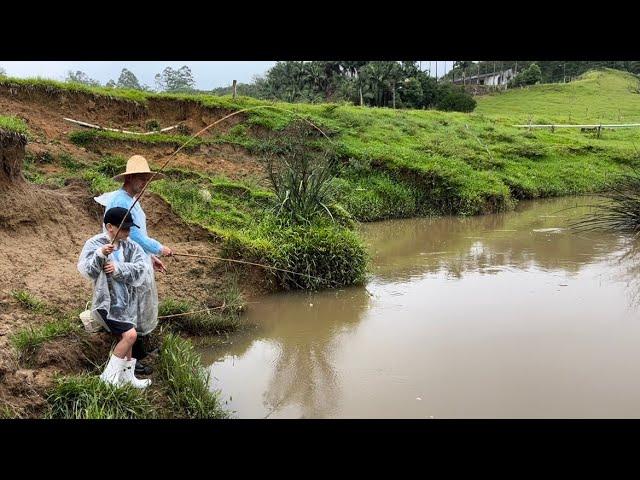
(529, 76)
(152, 125)
(300, 171)
(454, 98)
(88, 397)
(187, 381)
(322, 255)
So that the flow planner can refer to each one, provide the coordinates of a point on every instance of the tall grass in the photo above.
(27, 340)
(620, 211)
(14, 124)
(186, 381)
(88, 397)
(301, 172)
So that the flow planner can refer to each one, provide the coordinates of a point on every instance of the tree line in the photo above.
(392, 84)
(170, 80)
(551, 71)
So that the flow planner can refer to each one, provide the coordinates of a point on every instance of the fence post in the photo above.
(235, 83)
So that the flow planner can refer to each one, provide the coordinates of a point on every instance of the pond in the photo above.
(510, 315)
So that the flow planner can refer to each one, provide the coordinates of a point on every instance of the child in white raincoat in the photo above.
(135, 178)
(116, 270)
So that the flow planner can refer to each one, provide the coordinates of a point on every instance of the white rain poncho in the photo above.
(147, 293)
(118, 294)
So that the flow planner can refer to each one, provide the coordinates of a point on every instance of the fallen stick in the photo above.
(98, 127)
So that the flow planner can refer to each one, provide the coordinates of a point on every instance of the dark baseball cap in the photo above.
(115, 215)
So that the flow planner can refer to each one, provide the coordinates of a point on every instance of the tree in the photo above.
(82, 78)
(3, 72)
(411, 95)
(430, 90)
(171, 80)
(530, 76)
(454, 98)
(380, 79)
(128, 80)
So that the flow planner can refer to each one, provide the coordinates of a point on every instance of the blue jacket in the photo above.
(120, 198)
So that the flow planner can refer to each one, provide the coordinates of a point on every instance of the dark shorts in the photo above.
(117, 328)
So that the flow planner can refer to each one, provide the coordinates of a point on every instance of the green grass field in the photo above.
(400, 163)
(597, 96)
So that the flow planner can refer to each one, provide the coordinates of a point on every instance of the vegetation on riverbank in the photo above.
(620, 210)
(451, 163)
(58, 324)
(182, 391)
(389, 164)
(13, 124)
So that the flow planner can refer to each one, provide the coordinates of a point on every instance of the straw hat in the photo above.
(137, 165)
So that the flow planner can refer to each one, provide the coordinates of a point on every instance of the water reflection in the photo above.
(297, 335)
(626, 268)
(537, 235)
(461, 307)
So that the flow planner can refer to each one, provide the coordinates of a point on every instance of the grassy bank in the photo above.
(394, 164)
(325, 254)
(181, 390)
(422, 162)
(181, 384)
(605, 96)
(14, 124)
(58, 324)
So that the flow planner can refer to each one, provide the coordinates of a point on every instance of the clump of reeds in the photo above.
(300, 170)
(186, 381)
(620, 211)
(88, 397)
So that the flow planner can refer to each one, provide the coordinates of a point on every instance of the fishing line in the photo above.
(144, 188)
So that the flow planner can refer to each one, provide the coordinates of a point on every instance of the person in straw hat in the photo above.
(134, 178)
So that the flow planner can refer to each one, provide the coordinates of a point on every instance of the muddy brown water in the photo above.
(501, 316)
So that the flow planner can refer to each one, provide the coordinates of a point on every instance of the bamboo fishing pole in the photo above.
(183, 314)
(213, 257)
(144, 188)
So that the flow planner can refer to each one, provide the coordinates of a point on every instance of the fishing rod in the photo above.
(212, 257)
(144, 188)
(219, 307)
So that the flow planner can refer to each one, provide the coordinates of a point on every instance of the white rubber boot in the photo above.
(129, 377)
(114, 370)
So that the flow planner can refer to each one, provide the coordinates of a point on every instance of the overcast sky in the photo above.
(208, 75)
